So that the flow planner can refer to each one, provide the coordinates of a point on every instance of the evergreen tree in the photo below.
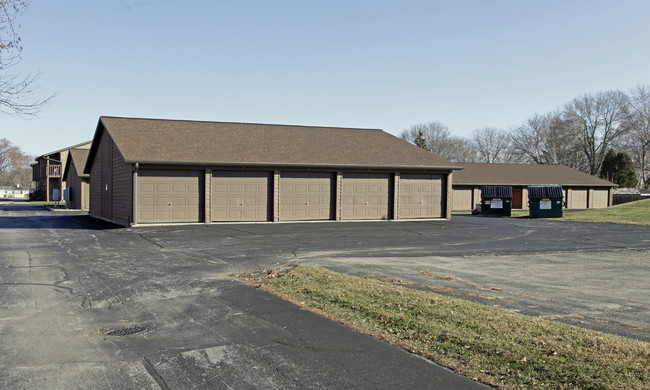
(421, 141)
(619, 168)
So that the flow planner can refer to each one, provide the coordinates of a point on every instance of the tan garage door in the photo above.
(306, 196)
(240, 196)
(600, 198)
(420, 195)
(579, 199)
(462, 199)
(169, 195)
(366, 196)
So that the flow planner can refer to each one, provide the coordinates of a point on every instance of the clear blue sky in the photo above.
(370, 64)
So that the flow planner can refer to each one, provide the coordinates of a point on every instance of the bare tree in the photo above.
(439, 141)
(493, 146)
(16, 91)
(435, 135)
(637, 141)
(461, 150)
(14, 164)
(597, 121)
(547, 140)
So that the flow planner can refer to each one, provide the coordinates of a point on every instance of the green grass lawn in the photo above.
(634, 213)
(489, 344)
(637, 213)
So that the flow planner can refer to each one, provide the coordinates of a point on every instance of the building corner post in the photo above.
(134, 201)
(450, 195)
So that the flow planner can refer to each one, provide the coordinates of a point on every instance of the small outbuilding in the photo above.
(148, 171)
(77, 192)
(581, 190)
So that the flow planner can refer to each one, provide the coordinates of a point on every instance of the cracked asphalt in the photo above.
(66, 281)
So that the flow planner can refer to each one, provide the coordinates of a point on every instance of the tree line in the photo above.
(15, 169)
(598, 133)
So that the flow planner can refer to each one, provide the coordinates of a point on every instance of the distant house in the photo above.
(146, 171)
(77, 182)
(8, 192)
(47, 172)
(581, 190)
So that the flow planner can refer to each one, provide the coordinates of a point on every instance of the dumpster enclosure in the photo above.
(545, 201)
(496, 201)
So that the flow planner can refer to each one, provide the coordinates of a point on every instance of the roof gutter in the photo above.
(292, 165)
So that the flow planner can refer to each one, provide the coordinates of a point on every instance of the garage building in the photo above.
(77, 193)
(581, 190)
(145, 171)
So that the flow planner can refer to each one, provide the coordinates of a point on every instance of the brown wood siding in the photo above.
(447, 193)
(122, 205)
(78, 188)
(72, 184)
(107, 177)
(96, 185)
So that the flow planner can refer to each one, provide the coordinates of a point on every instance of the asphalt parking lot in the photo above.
(67, 282)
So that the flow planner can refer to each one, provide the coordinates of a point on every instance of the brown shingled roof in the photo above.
(186, 142)
(79, 156)
(525, 174)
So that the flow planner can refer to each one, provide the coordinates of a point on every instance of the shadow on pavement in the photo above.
(81, 222)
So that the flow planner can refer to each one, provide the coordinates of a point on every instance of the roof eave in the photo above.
(293, 165)
(64, 149)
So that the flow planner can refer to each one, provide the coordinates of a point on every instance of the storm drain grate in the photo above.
(126, 331)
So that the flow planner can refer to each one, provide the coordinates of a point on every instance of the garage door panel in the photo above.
(162, 187)
(579, 199)
(601, 198)
(179, 187)
(462, 199)
(240, 196)
(366, 195)
(179, 202)
(169, 195)
(306, 196)
(420, 196)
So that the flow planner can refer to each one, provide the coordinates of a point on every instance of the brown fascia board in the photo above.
(69, 162)
(93, 147)
(64, 149)
(99, 132)
(295, 165)
(66, 169)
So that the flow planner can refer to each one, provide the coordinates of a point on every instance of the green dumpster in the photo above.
(496, 200)
(545, 201)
